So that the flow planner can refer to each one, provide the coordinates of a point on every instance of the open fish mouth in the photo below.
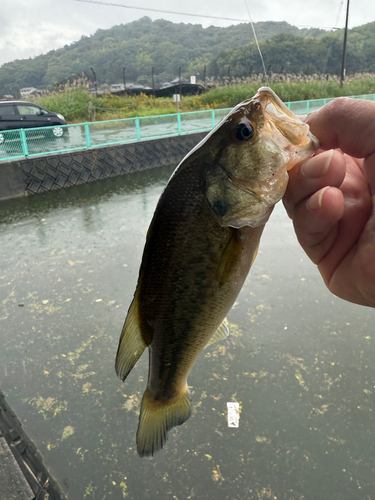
(288, 131)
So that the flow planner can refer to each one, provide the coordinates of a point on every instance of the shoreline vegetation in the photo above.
(73, 100)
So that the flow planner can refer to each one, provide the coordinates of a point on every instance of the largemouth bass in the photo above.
(200, 246)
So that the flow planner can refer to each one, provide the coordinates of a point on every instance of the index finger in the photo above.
(345, 123)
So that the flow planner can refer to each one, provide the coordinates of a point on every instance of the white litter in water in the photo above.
(233, 414)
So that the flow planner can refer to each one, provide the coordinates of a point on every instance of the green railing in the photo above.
(39, 141)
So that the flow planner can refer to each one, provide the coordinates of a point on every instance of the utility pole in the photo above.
(343, 69)
(123, 76)
(95, 82)
(179, 77)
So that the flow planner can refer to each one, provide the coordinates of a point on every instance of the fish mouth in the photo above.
(284, 128)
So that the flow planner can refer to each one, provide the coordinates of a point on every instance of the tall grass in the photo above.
(289, 88)
(73, 101)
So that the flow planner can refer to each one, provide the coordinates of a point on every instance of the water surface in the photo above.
(299, 361)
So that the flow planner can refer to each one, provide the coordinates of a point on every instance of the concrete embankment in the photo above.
(43, 173)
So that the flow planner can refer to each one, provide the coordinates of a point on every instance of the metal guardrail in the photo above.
(28, 461)
(23, 143)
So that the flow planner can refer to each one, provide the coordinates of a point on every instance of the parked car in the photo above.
(21, 114)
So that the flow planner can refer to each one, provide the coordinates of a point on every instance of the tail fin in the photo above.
(157, 418)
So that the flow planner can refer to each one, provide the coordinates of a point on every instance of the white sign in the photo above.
(176, 98)
(193, 79)
(233, 414)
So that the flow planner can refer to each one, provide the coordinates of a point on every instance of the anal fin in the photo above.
(221, 333)
(131, 345)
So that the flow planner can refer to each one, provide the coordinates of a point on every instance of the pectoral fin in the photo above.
(221, 333)
(131, 344)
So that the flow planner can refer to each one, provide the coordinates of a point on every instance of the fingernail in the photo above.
(318, 165)
(315, 201)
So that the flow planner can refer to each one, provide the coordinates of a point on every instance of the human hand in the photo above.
(330, 198)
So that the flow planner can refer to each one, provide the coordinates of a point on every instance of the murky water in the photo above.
(299, 361)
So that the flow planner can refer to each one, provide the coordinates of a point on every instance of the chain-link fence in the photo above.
(305, 107)
(38, 141)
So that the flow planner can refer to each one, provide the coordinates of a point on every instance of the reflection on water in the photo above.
(299, 361)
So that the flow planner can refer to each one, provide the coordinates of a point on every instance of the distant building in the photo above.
(177, 80)
(7, 97)
(30, 91)
(116, 87)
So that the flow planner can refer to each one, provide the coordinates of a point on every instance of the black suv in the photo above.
(20, 114)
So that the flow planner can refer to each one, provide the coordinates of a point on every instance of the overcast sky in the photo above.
(32, 27)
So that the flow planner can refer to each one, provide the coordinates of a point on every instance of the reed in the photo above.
(73, 100)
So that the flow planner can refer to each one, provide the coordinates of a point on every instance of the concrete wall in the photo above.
(56, 171)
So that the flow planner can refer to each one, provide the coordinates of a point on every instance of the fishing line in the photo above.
(335, 26)
(339, 13)
(256, 41)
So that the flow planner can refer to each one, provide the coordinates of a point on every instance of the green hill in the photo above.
(138, 46)
(288, 53)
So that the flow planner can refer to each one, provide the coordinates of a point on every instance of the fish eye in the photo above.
(245, 131)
